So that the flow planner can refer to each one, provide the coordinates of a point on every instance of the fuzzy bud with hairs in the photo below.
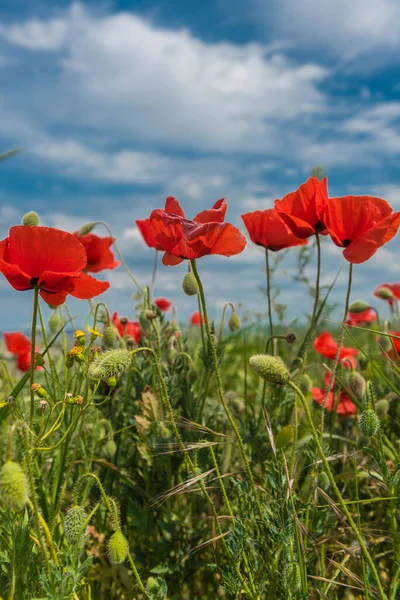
(369, 423)
(357, 384)
(109, 336)
(118, 548)
(234, 322)
(73, 523)
(13, 486)
(109, 364)
(270, 368)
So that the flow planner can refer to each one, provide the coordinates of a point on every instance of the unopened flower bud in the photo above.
(30, 218)
(270, 368)
(190, 285)
(293, 577)
(305, 383)
(39, 390)
(171, 355)
(382, 407)
(73, 523)
(87, 228)
(118, 548)
(112, 363)
(369, 423)
(385, 293)
(323, 480)
(234, 322)
(110, 449)
(109, 337)
(13, 486)
(358, 307)
(54, 322)
(357, 384)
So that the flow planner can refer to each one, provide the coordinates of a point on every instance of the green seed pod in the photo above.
(87, 228)
(385, 293)
(110, 449)
(73, 522)
(31, 218)
(190, 285)
(382, 407)
(234, 322)
(112, 363)
(305, 383)
(109, 337)
(357, 384)
(13, 486)
(54, 322)
(293, 577)
(369, 423)
(358, 307)
(270, 368)
(118, 548)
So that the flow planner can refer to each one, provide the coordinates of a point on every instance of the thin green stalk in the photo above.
(136, 574)
(220, 390)
(337, 357)
(153, 275)
(341, 502)
(268, 272)
(33, 342)
(363, 569)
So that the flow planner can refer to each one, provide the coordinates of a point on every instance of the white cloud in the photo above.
(120, 73)
(342, 28)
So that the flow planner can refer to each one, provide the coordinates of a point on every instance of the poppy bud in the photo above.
(305, 383)
(109, 337)
(171, 355)
(87, 228)
(118, 548)
(385, 293)
(382, 407)
(110, 449)
(358, 307)
(357, 384)
(112, 363)
(30, 218)
(190, 285)
(13, 486)
(369, 423)
(234, 322)
(54, 322)
(73, 523)
(270, 368)
(363, 361)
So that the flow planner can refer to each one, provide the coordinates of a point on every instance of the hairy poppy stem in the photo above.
(268, 271)
(153, 276)
(33, 344)
(335, 488)
(220, 389)
(337, 357)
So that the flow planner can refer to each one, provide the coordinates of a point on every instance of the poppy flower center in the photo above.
(33, 281)
(346, 243)
(318, 227)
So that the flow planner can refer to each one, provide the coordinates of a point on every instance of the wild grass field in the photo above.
(235, 457)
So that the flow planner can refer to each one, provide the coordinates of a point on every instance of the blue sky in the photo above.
(117, 105)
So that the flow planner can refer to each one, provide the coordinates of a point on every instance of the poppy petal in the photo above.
(86, 287)
(216, 213)
(172, 206)
(37, 249)
(169, 260)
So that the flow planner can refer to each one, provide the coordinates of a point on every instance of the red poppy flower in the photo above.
(195, 318)
(393, 287)
(99, 254)
(345, 407)
(127, 328)
(18, 344)
(302, 210)
(267, 229)
(360, 224)
(181, 238)
(327, 346)
(366, 316)
(163, 304)
(50, 259)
